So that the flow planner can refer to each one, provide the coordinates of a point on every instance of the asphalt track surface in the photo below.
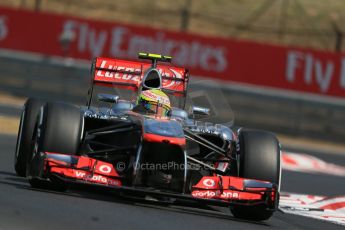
(24, 208)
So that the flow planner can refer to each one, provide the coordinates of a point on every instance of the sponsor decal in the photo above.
(161, 99)
(205, 194)
(222, 166)
(215, 194)
(118, 75)
(105, 169)
(134, 74)
(97, 116)
(171, 83)
(209, 182)
(305, 67)
(96, 178)
(120, 41)
(110, 74)
(229, 195)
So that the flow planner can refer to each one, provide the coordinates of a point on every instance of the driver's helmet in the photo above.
(154, 101)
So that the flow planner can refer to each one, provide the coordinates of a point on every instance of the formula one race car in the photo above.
(149, 144)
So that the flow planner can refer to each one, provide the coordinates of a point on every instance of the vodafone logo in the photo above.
(204, 194)
(97, 178)
(216, 194)
(209, 182)
(229, 195)
(104, 169)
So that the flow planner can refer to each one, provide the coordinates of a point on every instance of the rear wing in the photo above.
(117, 73)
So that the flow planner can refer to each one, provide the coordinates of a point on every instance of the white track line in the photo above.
(306, 163)
(330, 209)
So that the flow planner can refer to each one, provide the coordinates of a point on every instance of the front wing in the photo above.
(213, 190)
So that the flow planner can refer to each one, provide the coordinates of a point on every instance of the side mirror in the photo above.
(197, 110)
(108, 98)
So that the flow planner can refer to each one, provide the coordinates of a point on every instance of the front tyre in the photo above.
(59, 130)
(260, 160)
(25, 133)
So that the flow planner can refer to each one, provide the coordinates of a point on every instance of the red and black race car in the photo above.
(175, 158)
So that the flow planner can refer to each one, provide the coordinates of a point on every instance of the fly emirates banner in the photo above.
(297, 69)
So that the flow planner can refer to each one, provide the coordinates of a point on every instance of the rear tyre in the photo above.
(58, 129)
(25, 132)
(259, 159)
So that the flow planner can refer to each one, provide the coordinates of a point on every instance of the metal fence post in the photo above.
(38, 5)
(338, 41)
(338, 37)
(185, 15)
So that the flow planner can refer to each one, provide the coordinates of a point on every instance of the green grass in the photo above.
(306, 23)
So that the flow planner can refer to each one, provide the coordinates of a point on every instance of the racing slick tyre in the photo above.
(25, 132)
(58, 129)
(259, 159)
